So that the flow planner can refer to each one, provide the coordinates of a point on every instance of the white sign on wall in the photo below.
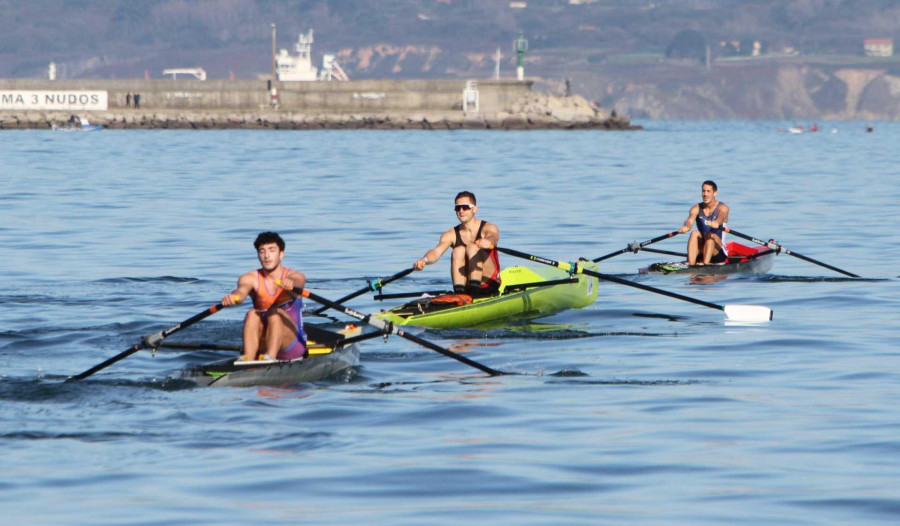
(53, 100)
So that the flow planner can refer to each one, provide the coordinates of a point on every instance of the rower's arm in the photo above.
(722, 218)
(490, 236)
(294, 280)
(244, 286)
(447, 239)
(689, 222)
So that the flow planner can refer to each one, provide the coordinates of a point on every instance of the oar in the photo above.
(748, 313)
(389, 328)
(373, 286)
(778, 248)
(634, 247)
(149, 342)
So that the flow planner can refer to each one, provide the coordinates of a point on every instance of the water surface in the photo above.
(640, 408)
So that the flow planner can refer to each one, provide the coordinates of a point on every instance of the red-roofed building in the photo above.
(879, 47)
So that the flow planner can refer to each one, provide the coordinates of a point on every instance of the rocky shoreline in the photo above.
(292, 120)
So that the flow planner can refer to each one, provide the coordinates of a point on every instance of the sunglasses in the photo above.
(463, 207)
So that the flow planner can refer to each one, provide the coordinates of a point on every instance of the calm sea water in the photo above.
(639, 409)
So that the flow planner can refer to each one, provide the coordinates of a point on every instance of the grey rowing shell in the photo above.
(756, 265)
(316, 367)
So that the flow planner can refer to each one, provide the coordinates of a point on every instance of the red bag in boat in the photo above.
(453, 299)
(737, 250)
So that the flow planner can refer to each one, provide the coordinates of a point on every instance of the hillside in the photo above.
(614, 51)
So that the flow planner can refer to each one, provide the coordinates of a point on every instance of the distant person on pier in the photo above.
(707, 244)
(475, 263)
(137, 100)
(128, 100)
(273, 328)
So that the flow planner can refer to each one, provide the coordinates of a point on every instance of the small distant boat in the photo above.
(79, 124)
(328, 356)
(799, 129)
(741, 260)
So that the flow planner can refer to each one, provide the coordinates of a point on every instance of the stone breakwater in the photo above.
(533, 112)
(292, 120)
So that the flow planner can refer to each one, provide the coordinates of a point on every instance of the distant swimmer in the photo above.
(869, 128)
(707, 243)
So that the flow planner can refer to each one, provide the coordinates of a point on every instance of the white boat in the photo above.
(79, 124)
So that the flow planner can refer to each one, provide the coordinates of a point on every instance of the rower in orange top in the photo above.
(707, 243)
(475, 264)
(274, 326)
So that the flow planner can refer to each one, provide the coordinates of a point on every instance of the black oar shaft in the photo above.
(777, 247)
(392, 329)
(372, 287)
(568, 266)
(652, 289)
(634, 247)
(149, 341)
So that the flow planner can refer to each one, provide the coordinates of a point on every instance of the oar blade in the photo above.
(748, 313)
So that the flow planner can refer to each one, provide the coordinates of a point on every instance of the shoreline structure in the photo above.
(245, 104)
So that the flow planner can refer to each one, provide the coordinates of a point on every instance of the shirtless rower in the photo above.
(707, 243)
(273, 328)
(475, 264)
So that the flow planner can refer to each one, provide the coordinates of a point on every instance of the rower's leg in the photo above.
(280, 332)
(253, 330)
(710, 247)
(458, 264)
(694, 247)
(476, 256)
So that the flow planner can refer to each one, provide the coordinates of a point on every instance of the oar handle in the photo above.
(635, 247)
(778, 248)
(389, 328)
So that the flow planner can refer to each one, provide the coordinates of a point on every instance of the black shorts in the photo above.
(490, 288)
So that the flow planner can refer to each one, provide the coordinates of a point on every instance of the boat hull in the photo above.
(757, 265)
(324, 360)
(524, 304)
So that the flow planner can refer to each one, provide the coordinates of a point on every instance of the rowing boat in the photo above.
(327, 356)
(741, 260)
(525, 293)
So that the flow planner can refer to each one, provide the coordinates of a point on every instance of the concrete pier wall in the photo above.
(358, 95)
(377, 104)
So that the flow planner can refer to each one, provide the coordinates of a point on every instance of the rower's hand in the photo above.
(683, 229)
(232, 299)
(286, 283)
(419, 264)
(712, 224)
(484, 243)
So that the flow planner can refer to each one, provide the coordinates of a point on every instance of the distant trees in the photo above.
(688, 44)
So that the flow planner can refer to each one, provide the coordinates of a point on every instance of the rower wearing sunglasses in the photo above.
(475, 264)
